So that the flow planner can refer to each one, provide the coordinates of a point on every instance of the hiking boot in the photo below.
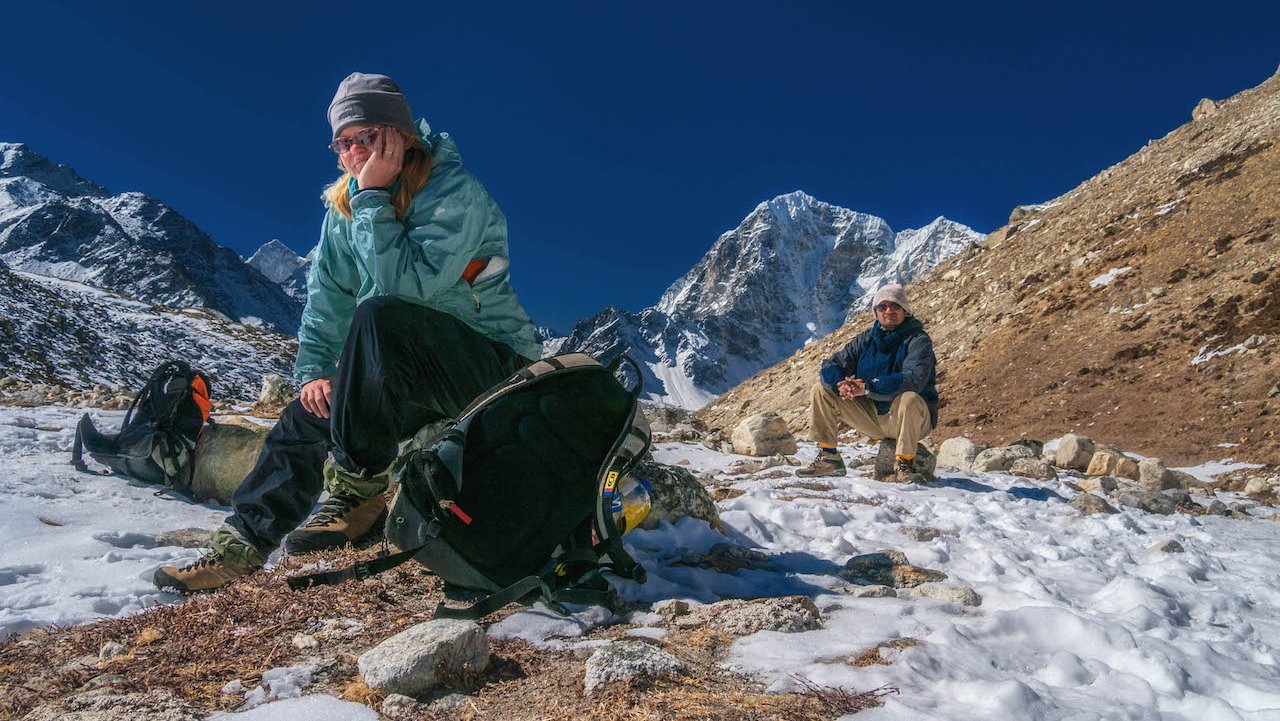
(230, 559)
(826, 464)
(905, 472)
(343, 518)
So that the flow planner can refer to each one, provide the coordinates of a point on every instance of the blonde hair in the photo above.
(414, 175)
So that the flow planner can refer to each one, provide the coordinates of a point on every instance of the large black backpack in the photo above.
(157, 441)
(514, 498)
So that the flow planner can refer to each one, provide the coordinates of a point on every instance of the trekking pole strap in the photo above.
(357, 571)
(495, 601)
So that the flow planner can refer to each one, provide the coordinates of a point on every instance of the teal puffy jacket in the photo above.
(420, 259)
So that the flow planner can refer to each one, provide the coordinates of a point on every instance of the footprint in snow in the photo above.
(124, 539)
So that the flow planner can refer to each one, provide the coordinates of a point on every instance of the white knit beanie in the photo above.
(893, 293)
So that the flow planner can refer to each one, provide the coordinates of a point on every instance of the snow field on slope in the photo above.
(1080, 619)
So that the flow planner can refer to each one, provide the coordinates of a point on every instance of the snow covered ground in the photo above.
(1079, 619)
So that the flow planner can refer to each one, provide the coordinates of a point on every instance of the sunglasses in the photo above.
(886, 306)
(365, 137)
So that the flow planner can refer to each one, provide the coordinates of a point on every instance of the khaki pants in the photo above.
(907, 419)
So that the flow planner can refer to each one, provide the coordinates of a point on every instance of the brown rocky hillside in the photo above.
(1033, 341)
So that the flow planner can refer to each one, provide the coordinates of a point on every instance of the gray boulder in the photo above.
(1089, 504)
(1149, 501)
(1074, 452)
(1033, 468)
(675, 493)
(626, 660)
(764, 434)
(959, 453)
(888, 568)
(1153, 476)
(1000, 459)
(410, 662)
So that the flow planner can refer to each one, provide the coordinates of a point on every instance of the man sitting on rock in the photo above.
(882, 384)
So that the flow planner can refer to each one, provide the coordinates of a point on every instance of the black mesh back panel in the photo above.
(529, 470)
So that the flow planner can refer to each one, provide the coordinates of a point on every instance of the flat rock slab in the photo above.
(888, 568)
(744, 617)
(411, 661)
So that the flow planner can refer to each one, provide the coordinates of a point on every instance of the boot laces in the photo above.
(334, 508)
(213, 558)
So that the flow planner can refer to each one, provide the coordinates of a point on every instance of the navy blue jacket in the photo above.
(891, 362)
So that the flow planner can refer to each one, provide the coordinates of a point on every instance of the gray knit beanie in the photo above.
(893, 293)
(369, 98)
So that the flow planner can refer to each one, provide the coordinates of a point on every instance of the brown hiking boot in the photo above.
(344, 518)
(905, 472)
(826, 464)
(229, 560)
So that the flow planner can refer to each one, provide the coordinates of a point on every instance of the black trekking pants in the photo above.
(402, 366)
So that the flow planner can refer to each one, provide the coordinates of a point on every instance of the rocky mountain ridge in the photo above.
(55, 223)
(1141, 308)
(790, 272)
(62, 333)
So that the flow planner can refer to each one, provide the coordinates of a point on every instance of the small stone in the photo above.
(447, 702)
(1101, 484)
(1169, 546)
(625, 660)
(397, 706)
(920, 533)
(682, 462)
(873, 591)
(185, 538)
(110, 650)
(304, 642)
(670, 608)
(1089, 504)
(962, 595)
(1218, 508)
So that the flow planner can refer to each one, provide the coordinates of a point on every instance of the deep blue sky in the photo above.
(621, 138)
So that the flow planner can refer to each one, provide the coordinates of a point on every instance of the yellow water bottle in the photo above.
(630, 504)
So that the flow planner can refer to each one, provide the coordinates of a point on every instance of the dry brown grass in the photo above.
(873, 656)
(183, 655)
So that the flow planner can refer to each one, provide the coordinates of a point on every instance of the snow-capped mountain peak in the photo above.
(18, 160)
(793, 270)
